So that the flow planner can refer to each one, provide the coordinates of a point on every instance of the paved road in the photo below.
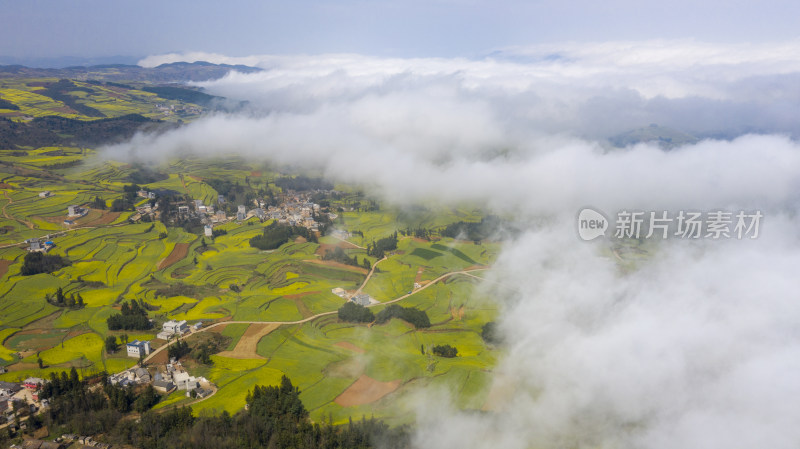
(319, 315)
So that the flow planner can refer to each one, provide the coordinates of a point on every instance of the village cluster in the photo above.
(172, 376)
(296, 209)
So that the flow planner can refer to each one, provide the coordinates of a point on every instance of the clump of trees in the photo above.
(445, 351)
(302, 183)
(488, 226)
(38, 262)
(178, 349)
(275, 235)
(59, 299)
(98, 203)
(338, 255)
(131, 317)
(377, 249)
(355, 313)
(111, 344)
(491, 334)
(418, 318)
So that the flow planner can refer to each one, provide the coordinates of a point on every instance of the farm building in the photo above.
(176, 327)
(185, 382)
(33, 383)
(221, 199)
(45, 194)
(338, 291)
(199, 393)
(138, 348)
(208, 231)
(9, 388)
(361, 299)
(75, 211)
(163, 386)
(183, 209)
(35, 245)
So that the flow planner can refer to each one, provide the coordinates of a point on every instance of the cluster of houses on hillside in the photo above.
(172, 376)
(16, 395)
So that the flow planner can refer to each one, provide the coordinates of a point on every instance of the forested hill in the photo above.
(62, 131)
(175, 72)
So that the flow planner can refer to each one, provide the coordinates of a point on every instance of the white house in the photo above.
(209, 231)
(361, 299)
(185, 382)
(74, 211)
(138, 348)
(176, 327)
(44, 194)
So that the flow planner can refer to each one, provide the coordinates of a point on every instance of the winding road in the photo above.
(466, 272)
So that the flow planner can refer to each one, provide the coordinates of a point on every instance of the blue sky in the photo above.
(469, 28)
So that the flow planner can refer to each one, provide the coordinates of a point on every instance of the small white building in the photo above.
(175, 327)
(361, 299)
(208, 231)
(74, 211)
(138, 348)
(185, 382)
(45, 194)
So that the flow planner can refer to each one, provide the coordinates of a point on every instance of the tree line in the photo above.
(131, 317)
(377, 249)
(59, 299)
(276, 234)
(356, 313)
(275, 417)
(38, 262)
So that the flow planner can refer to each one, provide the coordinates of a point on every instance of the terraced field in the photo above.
(342, 369)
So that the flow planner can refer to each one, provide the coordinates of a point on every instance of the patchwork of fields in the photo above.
(342, 369)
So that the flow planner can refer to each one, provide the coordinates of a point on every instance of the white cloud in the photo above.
(695, 347)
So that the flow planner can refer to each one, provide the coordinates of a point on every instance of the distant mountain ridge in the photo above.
(665, 137)
(173, 72)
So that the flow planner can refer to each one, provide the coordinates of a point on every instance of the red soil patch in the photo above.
(350, 346)
(104, 219)
(365, 391)
(160, 358)
(179, 252)
(6, 186)
(331, 263)
(22, 366)
(300, 240)
(4, 264)
(255, 174)
(218, 329)
(324, 247)
(302, 308)
(246, 346)
(419, 275)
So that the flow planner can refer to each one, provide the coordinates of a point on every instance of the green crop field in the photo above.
(182, 274)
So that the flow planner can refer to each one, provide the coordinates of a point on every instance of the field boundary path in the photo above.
(9, 217)
(319, 315)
